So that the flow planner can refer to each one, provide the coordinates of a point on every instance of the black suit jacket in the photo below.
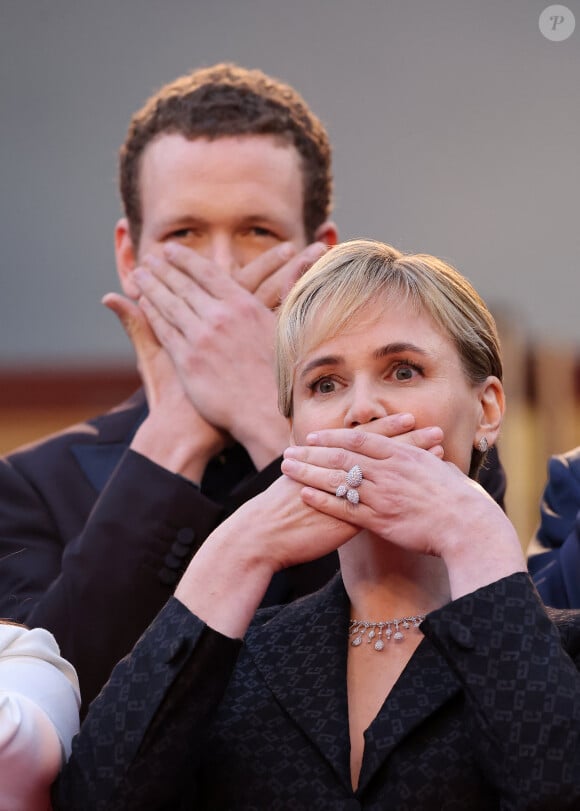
(486, 714)
(94, 537)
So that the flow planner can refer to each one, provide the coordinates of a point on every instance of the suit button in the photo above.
(185, 536)
(462, 635)
(168, 577)
(180, 549)
(173, 561)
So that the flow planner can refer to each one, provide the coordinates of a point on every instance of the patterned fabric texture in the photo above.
(486, 715)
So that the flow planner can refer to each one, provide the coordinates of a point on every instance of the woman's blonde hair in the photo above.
(356, 274)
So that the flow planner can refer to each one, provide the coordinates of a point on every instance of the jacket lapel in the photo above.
(114, 432)
(425, 685)
(301, 654)
(98, 461)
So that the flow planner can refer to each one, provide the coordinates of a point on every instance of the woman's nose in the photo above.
(364, 407)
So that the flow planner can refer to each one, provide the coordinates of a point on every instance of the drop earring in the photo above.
(482, 445)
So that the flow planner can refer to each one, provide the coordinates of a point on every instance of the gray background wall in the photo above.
(455, 123)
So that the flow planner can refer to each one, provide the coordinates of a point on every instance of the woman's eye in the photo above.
(324, 386)
(405, 372)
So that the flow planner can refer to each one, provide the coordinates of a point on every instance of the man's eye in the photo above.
(261, 232)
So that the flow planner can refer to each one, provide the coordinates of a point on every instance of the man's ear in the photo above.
(125, 257)
(327, 233)
(492, 409)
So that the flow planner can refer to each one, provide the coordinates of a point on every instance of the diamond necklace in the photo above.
(381, 631)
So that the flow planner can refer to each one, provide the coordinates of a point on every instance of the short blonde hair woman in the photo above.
(427, 674)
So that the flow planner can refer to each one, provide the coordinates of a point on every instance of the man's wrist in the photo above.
(184, 452)
(268, 442)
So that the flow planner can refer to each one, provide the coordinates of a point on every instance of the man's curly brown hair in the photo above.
(227, 100)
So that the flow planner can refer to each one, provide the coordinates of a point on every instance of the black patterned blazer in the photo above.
(486, 714)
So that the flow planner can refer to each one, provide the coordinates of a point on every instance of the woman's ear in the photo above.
(492, 409)
(125, 257)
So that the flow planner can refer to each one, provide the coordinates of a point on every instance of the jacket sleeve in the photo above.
(522, 691)
(99, 589)
(145, 719)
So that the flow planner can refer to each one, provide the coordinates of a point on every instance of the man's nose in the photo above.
(222, 251)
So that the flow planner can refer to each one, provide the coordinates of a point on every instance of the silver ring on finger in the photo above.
(349, 490)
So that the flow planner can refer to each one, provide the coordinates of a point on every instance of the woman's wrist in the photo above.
(486, 551)
(225, 582)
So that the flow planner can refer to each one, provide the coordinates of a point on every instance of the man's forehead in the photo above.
(179, 143)
(247, 166)
(251, 161)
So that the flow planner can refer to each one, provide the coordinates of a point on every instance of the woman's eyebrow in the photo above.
(397, 348)
(325, 360)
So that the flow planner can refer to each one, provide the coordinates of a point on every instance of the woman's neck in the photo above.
(384, 581)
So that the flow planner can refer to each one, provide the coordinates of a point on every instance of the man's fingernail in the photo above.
(316, 250)
(170, 249)
(407, 420)
(286, 250)
(141, 274)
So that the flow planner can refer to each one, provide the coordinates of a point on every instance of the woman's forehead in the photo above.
(397, 319)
